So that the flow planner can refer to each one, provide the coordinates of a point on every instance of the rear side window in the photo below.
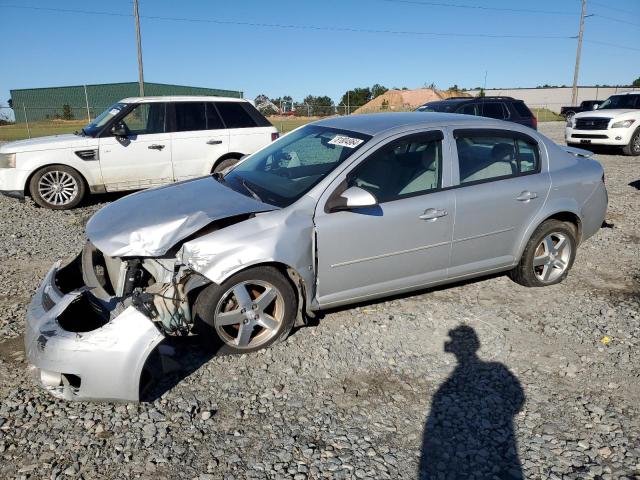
(522, 109)
(494, 110)
(471, 109)
(234, 115)
(190, 116)
(214, 122)
(483, 157)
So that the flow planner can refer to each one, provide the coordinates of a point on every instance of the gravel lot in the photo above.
(553, 392)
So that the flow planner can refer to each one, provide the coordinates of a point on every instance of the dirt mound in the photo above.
(403, 100)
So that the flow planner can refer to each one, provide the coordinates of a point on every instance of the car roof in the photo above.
(181, 98)
(376, 123)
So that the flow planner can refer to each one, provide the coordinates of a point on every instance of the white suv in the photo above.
(136, 143)
(616, 122)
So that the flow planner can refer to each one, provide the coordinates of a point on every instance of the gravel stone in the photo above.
(368, 392)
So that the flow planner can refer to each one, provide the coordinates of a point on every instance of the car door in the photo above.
(502, 184)
(248, 130)
(198, 138)
(400, 244)
(142, 158)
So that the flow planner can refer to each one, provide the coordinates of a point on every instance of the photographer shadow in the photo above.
(469, 432)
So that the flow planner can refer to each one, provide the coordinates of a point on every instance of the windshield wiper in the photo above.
(253, 194)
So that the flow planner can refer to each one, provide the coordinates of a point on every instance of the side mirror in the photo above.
(120, 130)
(352, 197)
(595, 107)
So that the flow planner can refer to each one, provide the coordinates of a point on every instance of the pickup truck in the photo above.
(586, 106)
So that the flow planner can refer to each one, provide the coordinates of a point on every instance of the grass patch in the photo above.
(546, 115)
(18, 131)
(286, 124)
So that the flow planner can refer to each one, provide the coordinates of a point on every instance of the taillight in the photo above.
(534, 122)
(274, 136)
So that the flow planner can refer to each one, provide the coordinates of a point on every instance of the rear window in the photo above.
(234, 115)
(522, 109)
(256, 115)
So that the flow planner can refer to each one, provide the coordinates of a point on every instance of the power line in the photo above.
(479, 7)
(611, 19)
(613, 45)
(604, 5)
(294, 26)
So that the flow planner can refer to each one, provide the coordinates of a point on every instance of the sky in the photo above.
(344, 44)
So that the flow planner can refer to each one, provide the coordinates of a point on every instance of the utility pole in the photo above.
(574, 91)
(140, 74)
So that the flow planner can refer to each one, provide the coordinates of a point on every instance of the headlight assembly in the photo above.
(623, 124)
(7, 160)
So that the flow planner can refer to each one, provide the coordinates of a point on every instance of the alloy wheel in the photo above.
(552, 257)
(249, 314)
(636, 143)
(58, 188)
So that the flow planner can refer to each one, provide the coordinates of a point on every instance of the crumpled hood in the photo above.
(606, 113)
(51, 142)
(149, 223)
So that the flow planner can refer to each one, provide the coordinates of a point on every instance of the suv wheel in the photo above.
(634, 144)
(548, 256)
(224, 164)
(57, 187)
(250, 311)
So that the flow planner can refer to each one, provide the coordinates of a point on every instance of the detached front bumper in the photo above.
(89, 360)
(613, 136)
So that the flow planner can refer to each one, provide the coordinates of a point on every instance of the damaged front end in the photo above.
(94, 322)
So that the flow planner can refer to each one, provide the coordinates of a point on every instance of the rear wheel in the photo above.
(224, 164)
(250, 311)
(548, 256)
(634, 144)
(57, 187)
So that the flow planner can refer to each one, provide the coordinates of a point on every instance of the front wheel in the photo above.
(57, 187)
(548, 256)
(250, 311)
(224, 164)
(634, 144)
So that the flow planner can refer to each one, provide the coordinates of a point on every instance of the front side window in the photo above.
(492, 157)
(408, 167)
(291, 166)
(234, 115)
(471, 109)
(145, 118)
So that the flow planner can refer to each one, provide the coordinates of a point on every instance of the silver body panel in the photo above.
(334, 258)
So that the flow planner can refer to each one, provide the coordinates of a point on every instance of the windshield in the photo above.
(438, 107)
(101, 120)
(291, 166)
(621, 101)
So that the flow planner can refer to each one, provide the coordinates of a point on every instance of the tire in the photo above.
(633, 148)
(224, 164)
(57, 187)
(550, 269)
(220, 317)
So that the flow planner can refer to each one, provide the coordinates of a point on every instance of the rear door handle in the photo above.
(526, 196)
(214, 142)
(155, 147)
(433, 214)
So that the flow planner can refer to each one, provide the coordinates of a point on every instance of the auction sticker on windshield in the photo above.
(344, 141)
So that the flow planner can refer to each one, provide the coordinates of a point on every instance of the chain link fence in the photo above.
(23, 122)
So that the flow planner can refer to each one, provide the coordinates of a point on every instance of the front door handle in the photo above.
(155, 147)
(214, 142)
(526, 196)
(433, 214)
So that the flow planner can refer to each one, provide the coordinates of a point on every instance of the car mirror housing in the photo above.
(119, 130)
(353, 197)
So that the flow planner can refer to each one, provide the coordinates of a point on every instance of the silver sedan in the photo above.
(339, 211)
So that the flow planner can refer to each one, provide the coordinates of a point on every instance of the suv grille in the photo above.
(592, 123)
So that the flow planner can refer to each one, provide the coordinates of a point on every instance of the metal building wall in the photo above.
(48, 103)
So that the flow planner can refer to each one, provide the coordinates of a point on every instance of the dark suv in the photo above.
(502, 108)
